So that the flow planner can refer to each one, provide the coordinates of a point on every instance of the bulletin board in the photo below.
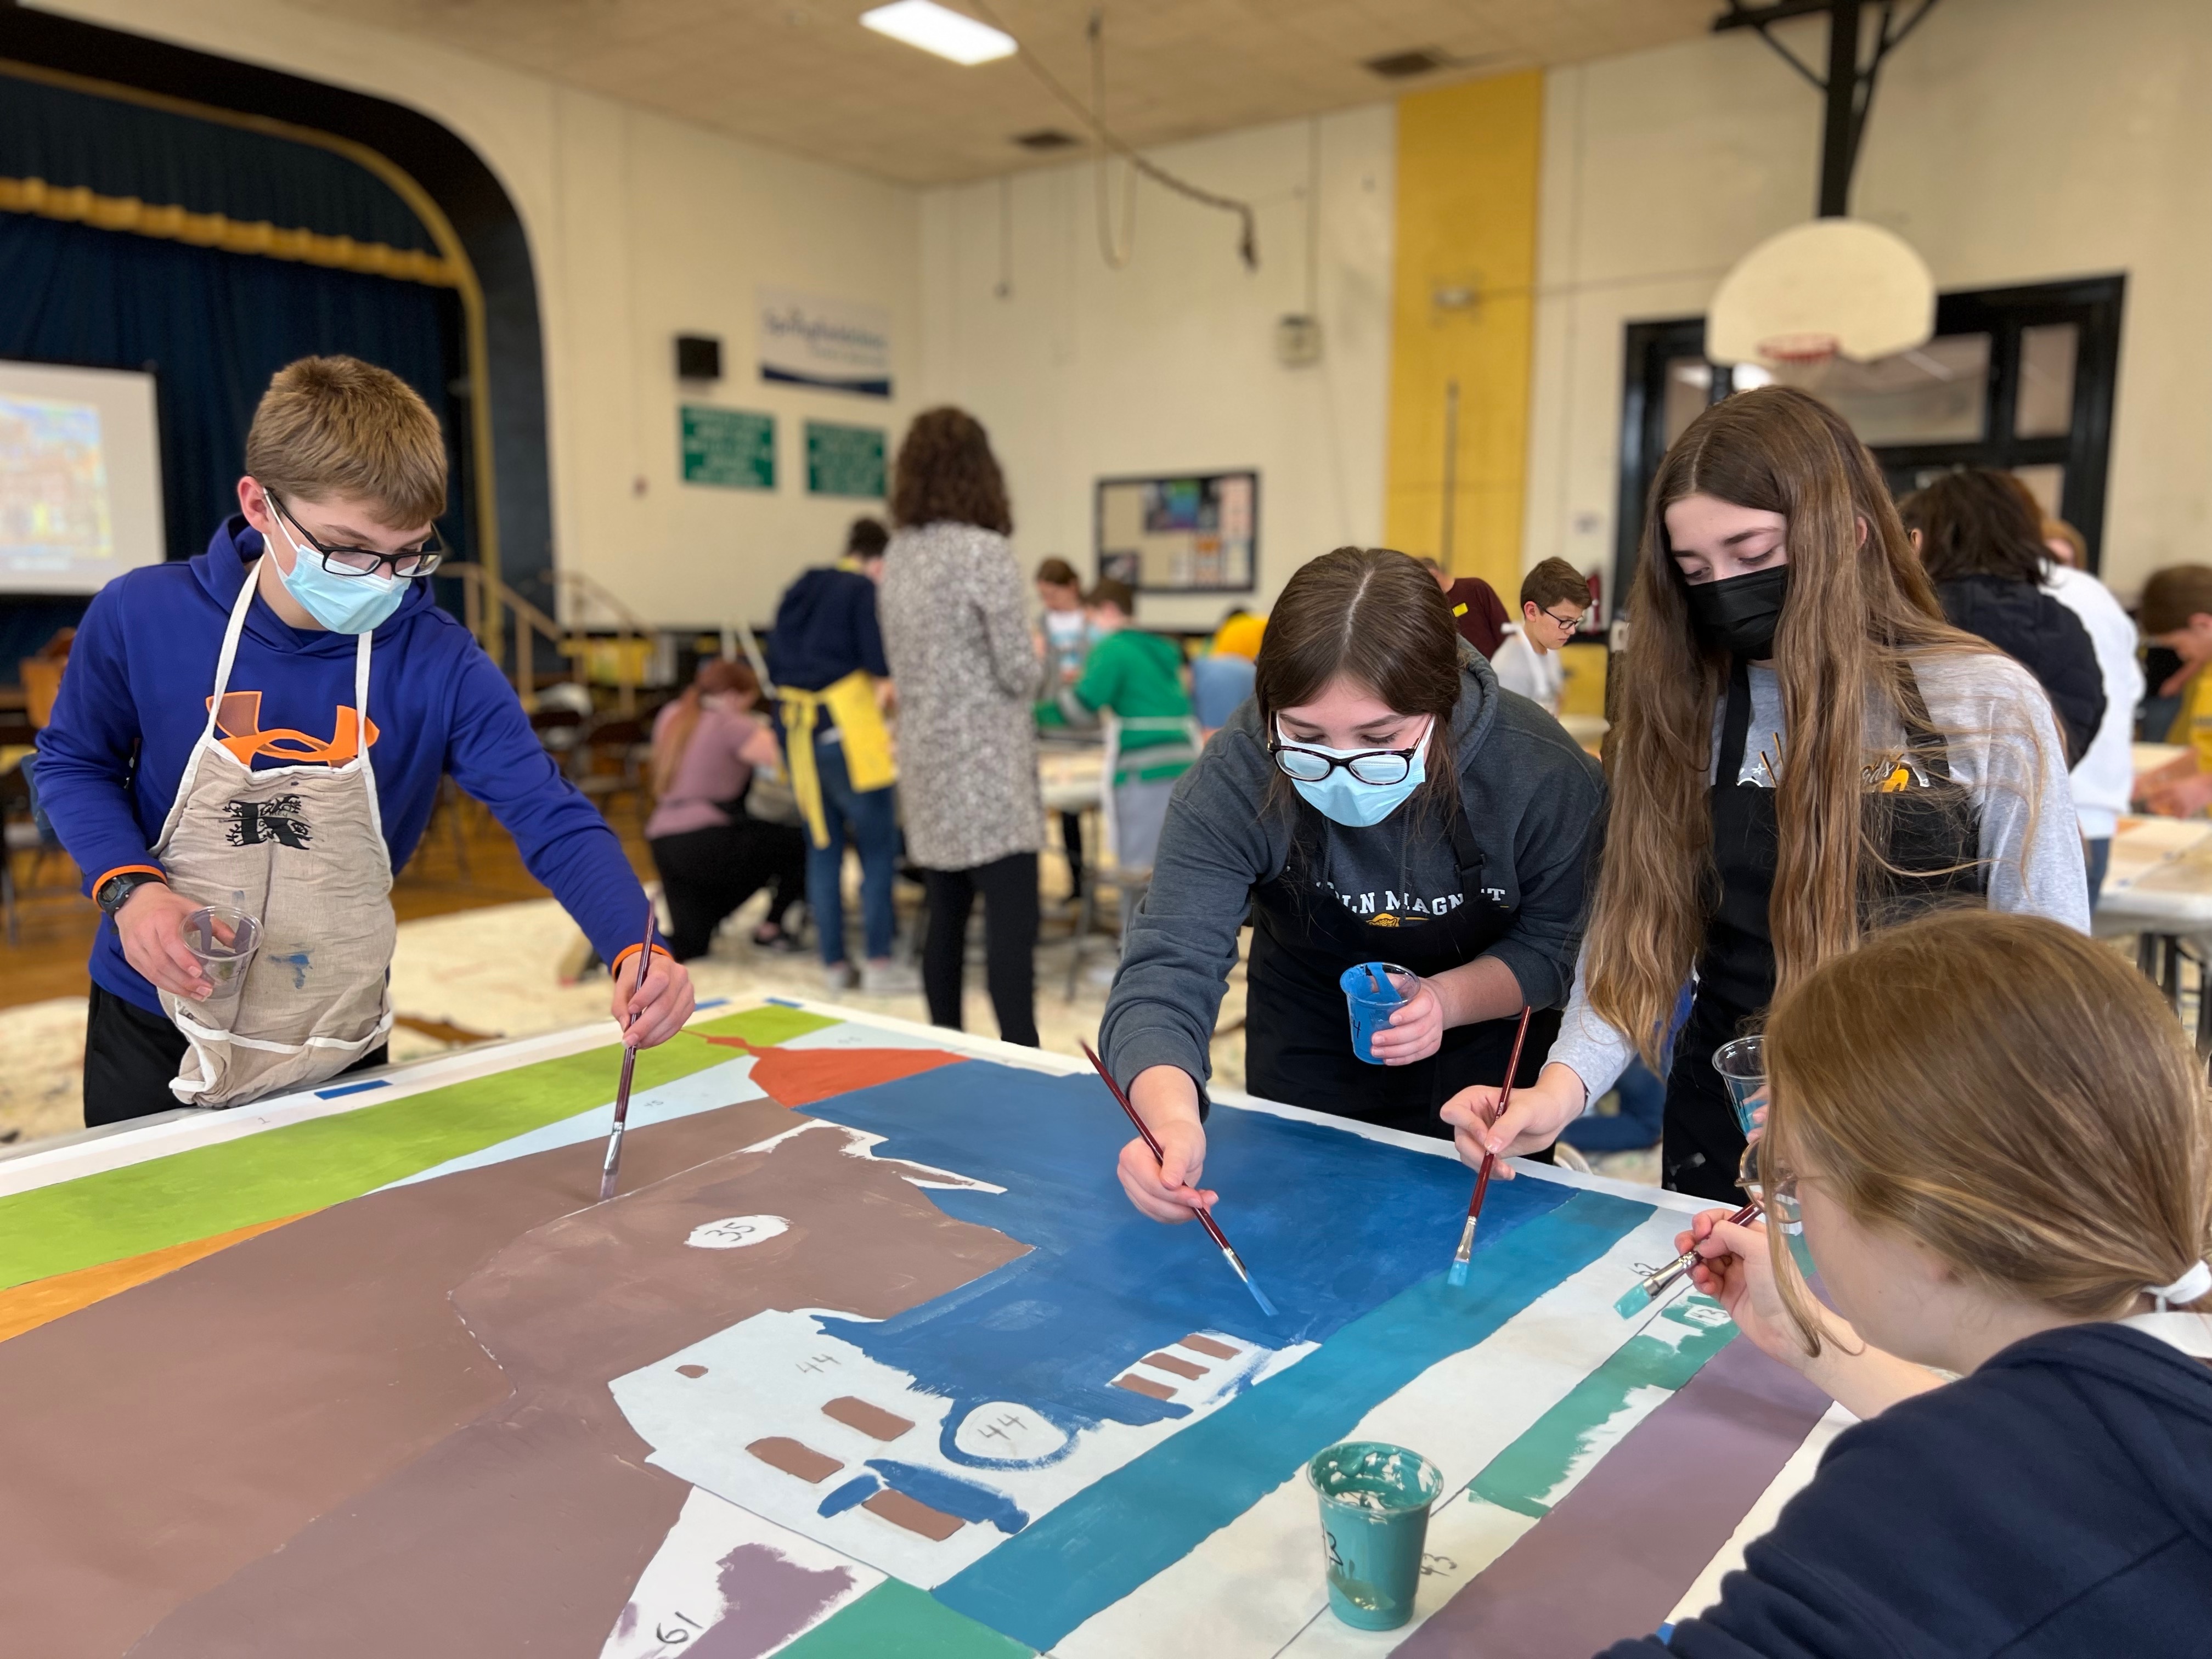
(1198, 533)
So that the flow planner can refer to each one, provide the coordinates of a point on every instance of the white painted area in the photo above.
(1232, 1597)
(1006, 1432)
(736, 1232)
(1169, 365)
(679, 1596)
(1792, 1478)
(2014, 141)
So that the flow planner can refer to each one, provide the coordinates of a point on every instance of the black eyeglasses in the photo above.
(362, 561)
(1382, 766)
(1569, 624)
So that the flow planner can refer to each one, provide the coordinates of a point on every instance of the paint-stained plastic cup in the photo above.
(223, 961)
(1375, 991)
(1375, 1500)
(1742, 1067)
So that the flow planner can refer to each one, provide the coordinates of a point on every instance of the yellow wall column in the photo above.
(1467, 160)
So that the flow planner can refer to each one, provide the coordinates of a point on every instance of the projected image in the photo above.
(53, 487)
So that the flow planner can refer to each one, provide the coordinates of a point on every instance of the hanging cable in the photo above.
(1004, 289)
(1115, 250)
(1248, 242)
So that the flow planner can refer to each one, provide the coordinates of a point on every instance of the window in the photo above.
(2019, 378)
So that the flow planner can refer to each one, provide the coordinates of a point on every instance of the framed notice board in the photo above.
(732, 448)
(1199, 533)
(844, 461)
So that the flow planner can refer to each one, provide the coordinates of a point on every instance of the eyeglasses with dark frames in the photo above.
(1568, 624)
(362, 561)
(1377, 766)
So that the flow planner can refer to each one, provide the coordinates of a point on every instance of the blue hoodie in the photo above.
(141, 669)
(2053, 1503)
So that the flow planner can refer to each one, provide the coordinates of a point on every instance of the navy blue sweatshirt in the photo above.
(825, 628)
(142, 668)
(2056, 1503)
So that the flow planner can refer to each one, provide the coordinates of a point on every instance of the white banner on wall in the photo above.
(812, 339)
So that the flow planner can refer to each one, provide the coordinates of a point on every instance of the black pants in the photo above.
(1071, 840)
(708, 874)
(130, 1055)
(1009, 889)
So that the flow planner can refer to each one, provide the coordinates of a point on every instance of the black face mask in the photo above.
(1739, 615)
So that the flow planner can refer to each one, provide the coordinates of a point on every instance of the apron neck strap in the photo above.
(1735, 729)
(229, 653)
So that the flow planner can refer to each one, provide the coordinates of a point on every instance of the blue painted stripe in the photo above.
(711, 1002)
(353, 1089)
(781, 1002)
(1093, 1550)
(950, 1494)
(859, 1489)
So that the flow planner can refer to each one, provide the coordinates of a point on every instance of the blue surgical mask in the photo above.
(344, 605)
(1357, 805)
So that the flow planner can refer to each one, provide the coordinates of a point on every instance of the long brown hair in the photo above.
(1371, 616)
(1860, 611)
(946, 473)
(2005, 1093)
(1976, 522)
(716, 674)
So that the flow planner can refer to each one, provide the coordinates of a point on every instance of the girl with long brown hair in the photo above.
(1999, 1143)
(1805, 750)
(1378, 799)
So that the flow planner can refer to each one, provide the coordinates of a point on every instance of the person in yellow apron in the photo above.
(264, 728)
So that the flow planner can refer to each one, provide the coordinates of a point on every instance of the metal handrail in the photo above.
(486, 601)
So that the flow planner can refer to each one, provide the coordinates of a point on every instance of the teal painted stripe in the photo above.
(1093, 1550)
(897, 1622)
(1528, 1476)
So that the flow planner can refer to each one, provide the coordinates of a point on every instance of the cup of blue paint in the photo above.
(1374, 991)
(1375, 1500)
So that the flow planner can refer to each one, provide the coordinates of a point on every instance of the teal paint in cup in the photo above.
(1374, 991)
(1375, 1501)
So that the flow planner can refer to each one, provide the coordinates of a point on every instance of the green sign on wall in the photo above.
(734, 448)
(844, 461)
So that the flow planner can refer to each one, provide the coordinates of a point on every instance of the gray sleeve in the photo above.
(1594, 1050)
(1181, 943)
(1007, 640)
(1551, 865)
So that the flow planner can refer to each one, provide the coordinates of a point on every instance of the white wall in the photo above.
(2012, 140)
(1168, 364)
(641, 229)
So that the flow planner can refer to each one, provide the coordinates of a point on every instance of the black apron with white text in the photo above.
(1297, 1047)
(1933, 836)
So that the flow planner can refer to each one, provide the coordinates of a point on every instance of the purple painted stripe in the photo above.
(1618, 1552)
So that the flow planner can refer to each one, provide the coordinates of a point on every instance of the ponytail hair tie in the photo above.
(2192, 1286)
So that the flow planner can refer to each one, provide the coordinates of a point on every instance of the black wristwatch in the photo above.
(120, 886)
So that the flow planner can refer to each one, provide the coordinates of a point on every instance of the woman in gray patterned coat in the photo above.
(956, 633)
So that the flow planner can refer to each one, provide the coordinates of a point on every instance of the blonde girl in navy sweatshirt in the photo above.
(1999, 1144)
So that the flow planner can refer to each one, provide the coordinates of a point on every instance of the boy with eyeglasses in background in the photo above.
(263, 728)
(1554, 597)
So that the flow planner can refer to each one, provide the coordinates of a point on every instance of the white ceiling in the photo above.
(803, 76)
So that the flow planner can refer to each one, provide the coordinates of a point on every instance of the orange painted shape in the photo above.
(799, 1076)
(27, 1306)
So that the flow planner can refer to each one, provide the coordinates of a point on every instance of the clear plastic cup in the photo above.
(1742, 1067)
(223, 960)
(1374, 991)
(1375, 1500)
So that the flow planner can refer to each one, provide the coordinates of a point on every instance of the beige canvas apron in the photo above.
(305, 846)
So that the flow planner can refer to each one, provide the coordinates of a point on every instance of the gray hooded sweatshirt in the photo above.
(1532, 800)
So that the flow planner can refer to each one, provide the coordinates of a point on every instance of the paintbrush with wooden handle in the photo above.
(612, 1168)
(1458, 1274)
(1211, 1227)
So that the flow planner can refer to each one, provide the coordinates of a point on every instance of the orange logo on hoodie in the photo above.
(239, 719)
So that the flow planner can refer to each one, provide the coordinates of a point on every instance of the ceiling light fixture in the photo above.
(941, 31)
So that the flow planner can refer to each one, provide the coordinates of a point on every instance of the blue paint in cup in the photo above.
(1375, 1500)
(1374, 990)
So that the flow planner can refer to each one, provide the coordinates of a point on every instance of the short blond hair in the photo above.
(336, 426)
(2008, 1094)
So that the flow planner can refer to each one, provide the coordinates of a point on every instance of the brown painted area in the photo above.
(1207, 1345)
(1617, 1552)
(27, 1306)
(693, 1371)
(386, 1429)
(1167, 1362)
(1137, 1384)
(799, 1076)
(794, 1458)
(901, 1510)
(872, 1420)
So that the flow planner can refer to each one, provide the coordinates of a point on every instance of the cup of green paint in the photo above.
(1375, 1501)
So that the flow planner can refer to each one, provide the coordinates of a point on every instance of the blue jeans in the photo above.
(872, 817)
(2100, 860)
(1642, 1107)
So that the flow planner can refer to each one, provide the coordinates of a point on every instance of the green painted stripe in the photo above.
(1533, 1472)
(312, 1165)
(896, 1622)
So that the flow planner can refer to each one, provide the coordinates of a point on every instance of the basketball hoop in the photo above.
(1817, 291)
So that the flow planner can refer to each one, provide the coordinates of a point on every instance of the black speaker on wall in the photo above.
(698, 357)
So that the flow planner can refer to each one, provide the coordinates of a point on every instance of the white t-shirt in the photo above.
(1537, 675)
(2104, 777)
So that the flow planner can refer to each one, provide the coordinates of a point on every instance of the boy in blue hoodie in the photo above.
(263, 728)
